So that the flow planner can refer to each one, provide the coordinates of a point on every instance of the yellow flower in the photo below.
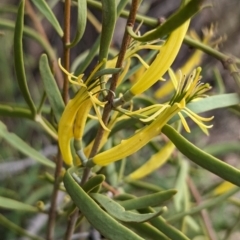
(81, 103)
(187, 89)
(160, 65)
(191, 63)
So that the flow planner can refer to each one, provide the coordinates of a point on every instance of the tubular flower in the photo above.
(83, 100)
(192, 62)
(187, 89)
(161, 64)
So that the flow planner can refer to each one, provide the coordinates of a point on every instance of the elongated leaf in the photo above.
(18, 58)
(27, 31)
(15, 228)
(9, 203)
(202, 158)
(175, 21)
(150, 200)
(51, 88)
(214, 102)
(46, 11)
(211, 103)
(181, 185)
(118, 212)
(162, 225)
(207, 204)
(23, 147)
(147, 231)
(81, 21)
(93, 182)
(104, 223)
(15, 111)
(109, 12)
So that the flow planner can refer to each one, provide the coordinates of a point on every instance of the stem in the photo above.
(66, 64)
(204, 213)
(66, 41)
(108, 106)
(52, 210)
(71, 224)
(230, 65)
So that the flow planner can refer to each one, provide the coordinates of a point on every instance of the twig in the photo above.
(66, 61)
(108, 106)
(204, 213)
(66, 41)
(71, 224)
(52, 210)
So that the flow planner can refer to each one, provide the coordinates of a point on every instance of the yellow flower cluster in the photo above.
(189, 89)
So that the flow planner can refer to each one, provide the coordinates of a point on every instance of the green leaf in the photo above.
(214, 102)
(51, 88)
(205, 205)
(15, 111)
(15, 228)
(93, 182)
(152, 200)
(172, 23)
(104, 223)
(18, 58)
(202, 158)
(29, 32)
(23, 147)
(9, 203)
(46, 11)
(109, 14)
(181, 185)
(162, 225)
(81, 21)
(147, 231)
(118, 212)
(211, 103)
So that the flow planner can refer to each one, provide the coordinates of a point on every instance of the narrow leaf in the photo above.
(51, 88)
(18, 58)
(147, 231)
(93, 182)
(202, 158)
(46, 11)
(104, 223)
(15, 228)
(109, 13)
(172, 23)
(162, 225)
(181, 185)
(210, 103)
(9, 203)
(205, 205)
(23, 147)
(118, 212)
(81, 21)
(150, 200)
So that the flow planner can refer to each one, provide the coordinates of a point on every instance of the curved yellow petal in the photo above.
(156, 161)
(138, 140)
(163, 61)
(65, 127)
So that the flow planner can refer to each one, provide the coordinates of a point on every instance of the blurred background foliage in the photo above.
(22, 179)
